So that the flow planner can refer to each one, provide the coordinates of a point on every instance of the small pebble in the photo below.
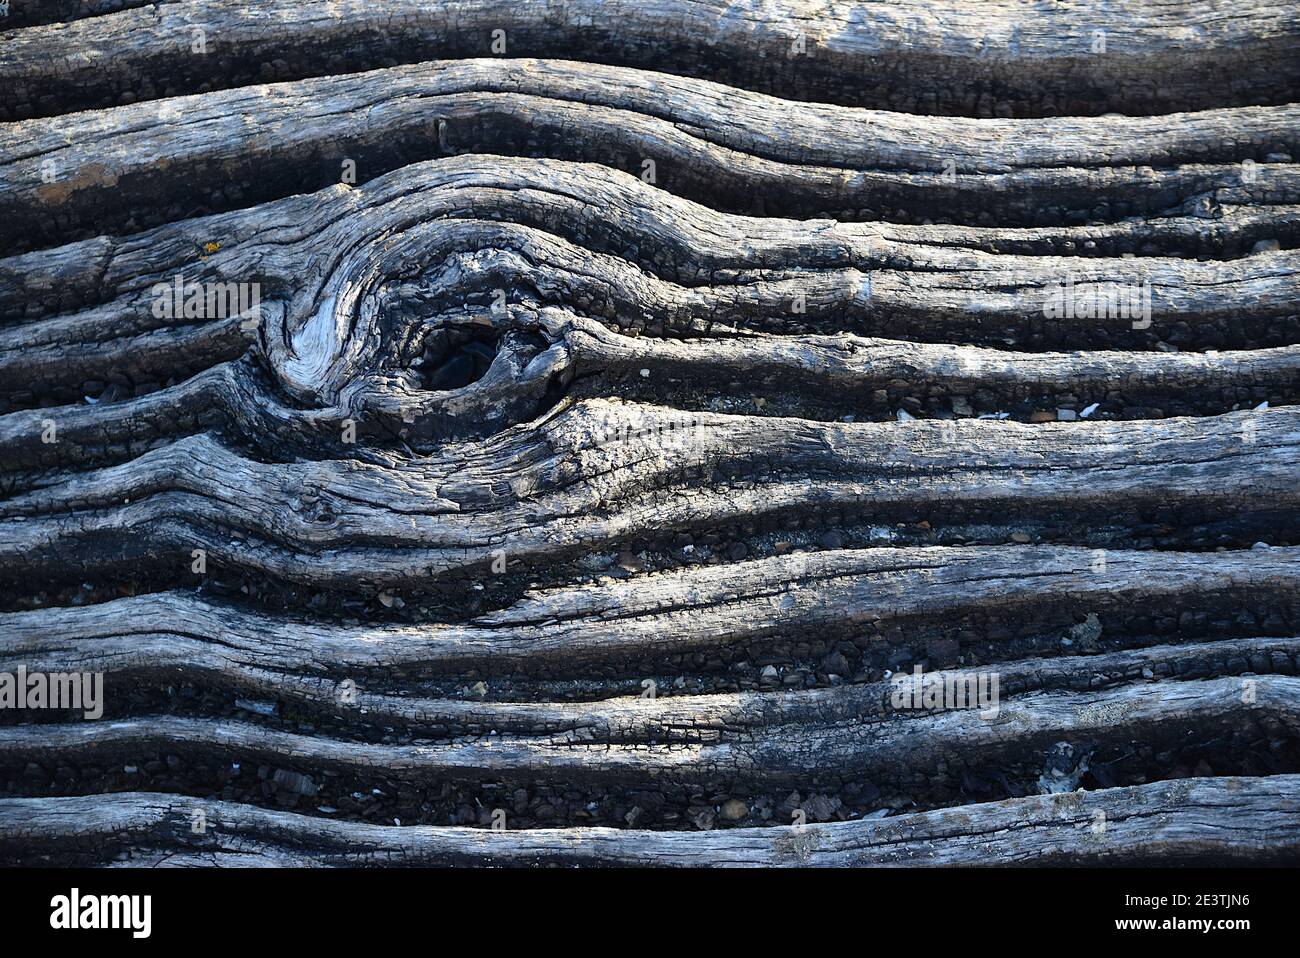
(733, 810)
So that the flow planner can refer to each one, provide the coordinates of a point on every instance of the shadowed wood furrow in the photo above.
(919, 56)
(26, 14)
(880, 419)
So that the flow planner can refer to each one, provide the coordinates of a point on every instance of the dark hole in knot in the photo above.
(454, 358)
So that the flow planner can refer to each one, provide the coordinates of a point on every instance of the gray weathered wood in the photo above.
(795, 745)
(658, 486)
(543, 491)
(1207, 821)
(925, 56)
(733, 149)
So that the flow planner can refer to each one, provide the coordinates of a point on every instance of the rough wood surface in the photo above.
(627, 506)
(1196, 820)
(797, 743)
(742, 152)
(657, 614)
(998, 58)
(545, 491)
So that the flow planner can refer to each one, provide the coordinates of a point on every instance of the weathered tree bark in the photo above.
(1207, 821)
(272, 659)
(454, 232)
(738, 152)
(568, 629)
(922, 56)
(542, 492)
(793, 746)
(809, 376)
(631, 500)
